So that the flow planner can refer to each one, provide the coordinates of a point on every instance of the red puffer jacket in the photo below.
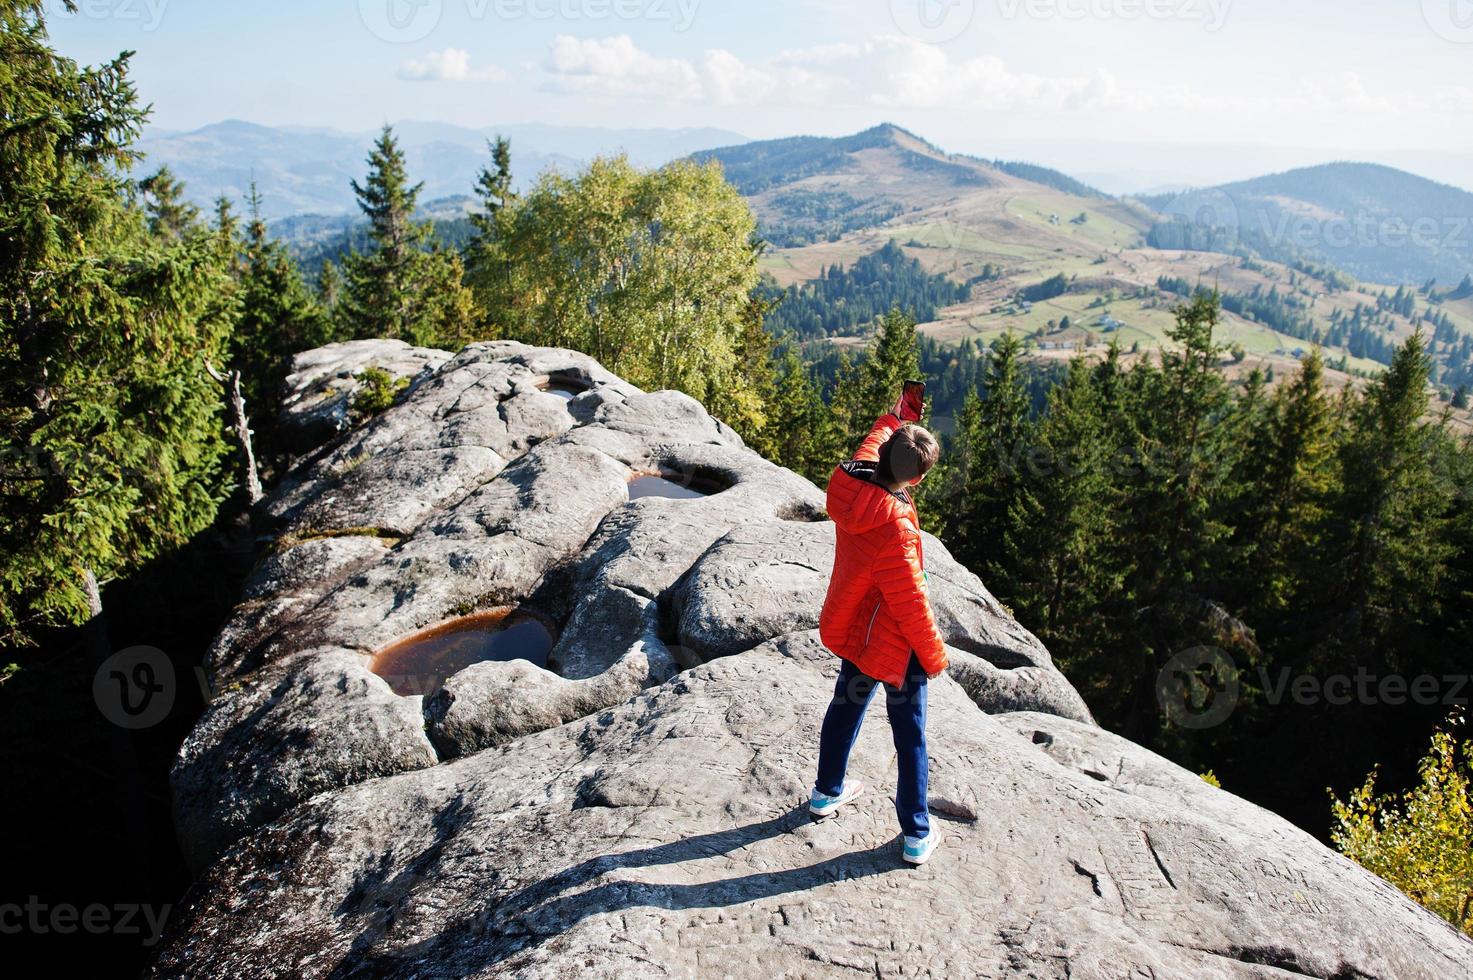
(877, 610)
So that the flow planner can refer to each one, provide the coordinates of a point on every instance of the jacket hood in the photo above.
(858, 505)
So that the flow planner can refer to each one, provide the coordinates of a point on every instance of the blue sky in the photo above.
(1375, 78)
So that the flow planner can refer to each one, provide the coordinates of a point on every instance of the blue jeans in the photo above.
(906, 707)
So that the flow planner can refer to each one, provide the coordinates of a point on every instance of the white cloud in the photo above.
(615, 66)
(731, 81)
(1454, 101)
(450, 65)
(899, 72)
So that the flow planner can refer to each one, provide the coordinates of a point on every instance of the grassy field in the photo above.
(1024, 232)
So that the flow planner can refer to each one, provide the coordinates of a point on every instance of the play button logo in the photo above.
(400, 21)
(933, 21)
(1450, 19)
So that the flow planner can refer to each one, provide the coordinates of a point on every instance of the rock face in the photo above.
(637, 810)
(320, 389)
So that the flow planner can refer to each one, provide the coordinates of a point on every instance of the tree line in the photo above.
(850, 301)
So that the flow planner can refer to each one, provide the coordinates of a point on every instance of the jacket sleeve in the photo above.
(879, 434)
(902, 583)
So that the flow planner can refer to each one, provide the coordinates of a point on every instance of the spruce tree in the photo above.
(402, 287)
(1186, 455)
(110, 425)
(279, 317)
(1393, 514)
(744, 398)
(797, 431)
(330, 291)
(488, 266)
(1065, 574)
(169, 214)
(1290, 468)
(892, 360)
(994, 432)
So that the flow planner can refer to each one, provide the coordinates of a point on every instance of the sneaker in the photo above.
(918, 850)
(821, 804)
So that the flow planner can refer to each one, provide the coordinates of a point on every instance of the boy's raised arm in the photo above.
(907, 408)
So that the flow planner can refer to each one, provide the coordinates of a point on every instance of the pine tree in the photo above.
(1065, 574)
(1394, 510)
(994, 434)
(891, 361)
(402, 287)
(279, 318)
(487, 265)
(1290, 467)
(110, 425)
(169, 214)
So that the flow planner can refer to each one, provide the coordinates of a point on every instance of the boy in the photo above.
(877, 616)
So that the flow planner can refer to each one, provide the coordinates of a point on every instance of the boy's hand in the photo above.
(932, 677)
(912, 403)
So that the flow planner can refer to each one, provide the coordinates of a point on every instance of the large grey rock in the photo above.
(318, 394)
(667, 836)
(479, 489)
(320, 722)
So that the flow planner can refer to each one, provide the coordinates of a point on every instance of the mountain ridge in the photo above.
(306, 169)
(1370, 220)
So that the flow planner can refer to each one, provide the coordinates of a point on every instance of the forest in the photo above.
(1127, 515)
(844, 302)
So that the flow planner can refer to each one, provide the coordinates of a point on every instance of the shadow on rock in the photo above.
(547, 909)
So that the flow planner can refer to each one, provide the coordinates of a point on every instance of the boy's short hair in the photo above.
(910, 452)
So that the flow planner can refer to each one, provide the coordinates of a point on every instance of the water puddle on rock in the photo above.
(672, 486)
(420, 662)
(564, 386)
